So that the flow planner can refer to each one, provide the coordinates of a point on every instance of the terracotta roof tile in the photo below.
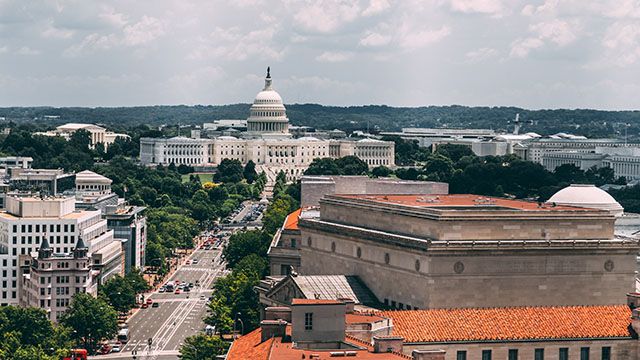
(516, 323)
(248, 347)
(291, 222)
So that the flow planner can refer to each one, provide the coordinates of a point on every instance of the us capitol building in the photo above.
(266, 141)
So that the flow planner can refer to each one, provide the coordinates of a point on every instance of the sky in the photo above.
(532, 54)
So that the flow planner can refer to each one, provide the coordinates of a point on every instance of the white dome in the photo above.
(268, 97)
(588, 196)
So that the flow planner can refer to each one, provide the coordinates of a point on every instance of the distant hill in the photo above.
(591, 123)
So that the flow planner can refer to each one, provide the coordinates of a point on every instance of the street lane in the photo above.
(178, 316)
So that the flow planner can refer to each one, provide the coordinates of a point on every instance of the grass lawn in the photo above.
(204, 177)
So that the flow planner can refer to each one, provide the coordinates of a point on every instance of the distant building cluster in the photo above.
(62, 233)
(266, 138)
(551, 151)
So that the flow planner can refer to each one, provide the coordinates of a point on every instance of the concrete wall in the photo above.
(313, 188)
(621, 349)
(328, 322)
(440, 278)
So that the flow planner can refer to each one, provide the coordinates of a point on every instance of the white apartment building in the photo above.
(28, 221)
(267, 142)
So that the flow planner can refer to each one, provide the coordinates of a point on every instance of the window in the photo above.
(486, 354)
(513, 354)
(538, 354)
(584, 353)
(606, 353)
(461, 355)
(308, 321)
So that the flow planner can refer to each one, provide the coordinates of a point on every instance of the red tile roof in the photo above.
(462, 200)
(517, 323)
(248, 347)
(291, 222)
(315, 302)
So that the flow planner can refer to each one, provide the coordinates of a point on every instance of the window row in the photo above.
(539, 354)
(27, 228)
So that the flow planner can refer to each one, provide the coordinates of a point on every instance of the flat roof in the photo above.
(465, 202)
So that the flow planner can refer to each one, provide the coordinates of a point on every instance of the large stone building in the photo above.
(267, 142)
(98, 134)
(28, 221)
(451, 251)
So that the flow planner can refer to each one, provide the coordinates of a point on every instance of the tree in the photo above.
(438, 167)
(118, 292)
(381, 171)
(203, 347)
(253, 265)
(136, 279)
(229, 171)
(244, 243)
(323, 166)
(454, 151)
(91, 319)
(276, 212)
(352, 165)
(249, 172)
(31, 325)
(220, 314)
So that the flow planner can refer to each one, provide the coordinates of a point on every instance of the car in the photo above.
(116, 348)
(202, 297)
(105, 349)
(149, 301)
(155, 304)
(177, 291)
(144, 305)
(188, 262)
(162, 289)
(186, 289)
(195, 262)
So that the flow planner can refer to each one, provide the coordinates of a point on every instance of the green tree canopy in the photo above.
(203, 347)
(229, 170)
(91, 320)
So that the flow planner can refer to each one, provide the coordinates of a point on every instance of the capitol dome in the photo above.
(588, 196)
(268, 114)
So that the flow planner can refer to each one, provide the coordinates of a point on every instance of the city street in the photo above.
(178, 316)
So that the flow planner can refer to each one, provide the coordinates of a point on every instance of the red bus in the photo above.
(77, 354)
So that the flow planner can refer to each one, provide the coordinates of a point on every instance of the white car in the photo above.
(116, 348)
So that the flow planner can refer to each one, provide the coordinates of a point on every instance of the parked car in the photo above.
(155, 304)
(178, 291)
(149, 301)
(116, 348)
(144, 305)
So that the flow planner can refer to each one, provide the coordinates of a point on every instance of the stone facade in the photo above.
(499, 255)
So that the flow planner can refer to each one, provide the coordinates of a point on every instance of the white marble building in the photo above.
(98, 134)
(267, 142)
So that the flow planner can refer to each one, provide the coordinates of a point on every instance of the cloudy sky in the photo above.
(534, 54)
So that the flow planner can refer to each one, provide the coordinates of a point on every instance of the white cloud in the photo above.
(522, 47)
(376, 7)
(556, 31)
(91, 43)
(481, 54)
(333, 57)
(144, 31)
(372, 38)
(57, 33)
(25, 50)
(494, 7)
(235, 44)
(411, 38)
(326, 16)
(622, 43)
(4, 49)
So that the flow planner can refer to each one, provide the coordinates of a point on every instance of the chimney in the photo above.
(428, 354)
(349, 303)
(633, 300)
(277, 313)
(272, 328)
(383, 344)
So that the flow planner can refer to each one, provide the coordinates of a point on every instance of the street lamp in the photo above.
(234, 324)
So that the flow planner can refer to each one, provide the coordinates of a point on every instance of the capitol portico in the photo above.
(267, 142)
